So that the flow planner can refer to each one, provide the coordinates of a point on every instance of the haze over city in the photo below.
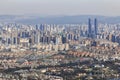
(59, 40)
(60, 7)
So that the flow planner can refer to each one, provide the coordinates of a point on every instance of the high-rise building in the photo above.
(92, 33)
(89, 28)
(96, 26)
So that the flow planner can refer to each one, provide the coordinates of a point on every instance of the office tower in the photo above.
(96, 26)
(64, 39)
(89, 28)
(14, 40)
(42, 27)
(48, 39)
(113, 38)
(37, 27)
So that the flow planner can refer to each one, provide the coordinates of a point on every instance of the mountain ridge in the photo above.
(76, 19)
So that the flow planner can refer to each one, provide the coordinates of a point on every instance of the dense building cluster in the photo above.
(59, 51)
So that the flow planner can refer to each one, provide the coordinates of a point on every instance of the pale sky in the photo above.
(60, 7)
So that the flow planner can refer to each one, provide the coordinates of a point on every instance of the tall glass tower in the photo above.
(89, 28)
(96, 26)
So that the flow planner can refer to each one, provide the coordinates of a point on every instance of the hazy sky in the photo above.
(60, 7)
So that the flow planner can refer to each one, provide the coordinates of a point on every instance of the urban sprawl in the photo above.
(60, 51)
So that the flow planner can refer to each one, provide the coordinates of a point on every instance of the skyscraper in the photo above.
(89, 28)
(96, 26)
(92, 32)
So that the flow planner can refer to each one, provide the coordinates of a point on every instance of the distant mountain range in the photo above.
(57, 19)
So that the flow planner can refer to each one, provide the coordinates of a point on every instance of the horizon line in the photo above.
(33, 15)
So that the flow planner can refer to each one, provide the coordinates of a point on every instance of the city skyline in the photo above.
(59, 40)
(61, 7)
